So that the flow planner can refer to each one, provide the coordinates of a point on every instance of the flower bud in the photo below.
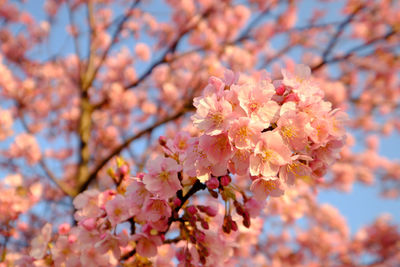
(64, 228)
(200, 236)
(280, 90)
(124, 169)
(291, 97)
(89, 224)
(192, 210)
(225, 180)
(162, 140)
(234, 225)
(205, 225)
(72, 239)
(213, 183)
(177, 202)
(211, 211)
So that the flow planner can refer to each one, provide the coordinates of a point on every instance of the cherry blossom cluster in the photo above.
(254, 137)
(273, 132)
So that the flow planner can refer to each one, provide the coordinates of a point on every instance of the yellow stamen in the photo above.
(164, 175)
(288, 131)
(268, 155)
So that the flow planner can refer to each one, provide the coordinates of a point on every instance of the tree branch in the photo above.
(197, 186)
(95, 70)
(170, 48)
(62, 186)
(354, 50)
(339, 32)
(122, 146)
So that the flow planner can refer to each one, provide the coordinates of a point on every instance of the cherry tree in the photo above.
(195, 133)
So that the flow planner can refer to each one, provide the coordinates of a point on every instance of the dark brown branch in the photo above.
(128, 255)
(197, 186)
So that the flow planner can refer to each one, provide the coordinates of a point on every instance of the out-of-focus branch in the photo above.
(171, 48)
(339, 32)
(125, 144)
(93, 71)
(352, 51)
(75, 38)
(63, 187)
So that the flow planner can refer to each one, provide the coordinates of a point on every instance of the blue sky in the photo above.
(359, 206)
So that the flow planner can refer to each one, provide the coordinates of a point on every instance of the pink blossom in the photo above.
(25, 145)
(266, 186)
(291, 126)
(196, 163)
(255, 99)
(146, 245)
(143, 51)
(162, 178)
(91, 257)
(64, 252)
(6, 122)
(244, 133)
(301, 74)
(338, 120)
(217, 148)
(254, 207)
(179, 144)
(319, 131)
(87, 204)
(269, 154)
(39, 243)
(117, 210)
(239, 163)
(136, 193)
(295, 170)
(212, 116)
(112, 242)
(155, 209)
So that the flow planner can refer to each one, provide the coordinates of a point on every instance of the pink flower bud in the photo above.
(162, 140)
(291, 97)
(200, 236)
(213, 183)
(234, 225)
(205, 225)
(89, 224)
(280, 90)
(146, 228)
(192, 210)
(180, 255)
(211, 211)
(140, 175)
(225, 180)
(177, 202)
(64, 228)
(123, 170)
(72, 239)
